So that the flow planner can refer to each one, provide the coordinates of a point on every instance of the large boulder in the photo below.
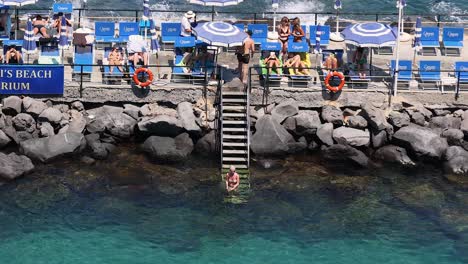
(453, 136)
(24, 122)
(132, 110)
(394, 154)
(464, 124)
(374, 116)
(284, 110)
(12, 105)
(51, 115)
(399, 119)
(4, 139)
(325, 134)
(99, 150)
(166, 149)
(332, 114)
(379, 138)
(45, 149)
(351, 136)
(457, 160)
(307, 122)
(14, 166)
(187, 117)
(162, 125)
(46, 129)
(111, 119)
(358, 122)
(421, 141)
(77, 122)
(419, 114)
(445, 122)
(33, 107)
(207, 144)
(270, 137)
(77, 105)
(155, 110)
(339, 152)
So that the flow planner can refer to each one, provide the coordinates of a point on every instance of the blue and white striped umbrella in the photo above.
(29, 44)
(215, 2)
(146, 10)
(417, 45)
(63, 40)
(401, 3)
(17, 2)
(337, 5)
(318, 35)
(371, 34)
(219, 34)
(154, 48)
(275, 4)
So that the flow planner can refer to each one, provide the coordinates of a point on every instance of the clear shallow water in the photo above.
(129, 210)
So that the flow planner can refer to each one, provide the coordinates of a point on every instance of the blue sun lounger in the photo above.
(83, 59)
(169, 33)
(452, 40)
(105, 32)
(429, 72)
(50, 55)
(301, 48)
(259, 32)
(324, 38)
(429, 40)
(461, 71)
(126, 29)
(405, 74)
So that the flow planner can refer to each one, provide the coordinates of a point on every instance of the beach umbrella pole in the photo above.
(336, 36)
(397, 51)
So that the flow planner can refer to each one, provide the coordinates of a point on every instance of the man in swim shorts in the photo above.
(248, 48)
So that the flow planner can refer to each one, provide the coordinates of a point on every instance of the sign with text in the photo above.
(31, 79)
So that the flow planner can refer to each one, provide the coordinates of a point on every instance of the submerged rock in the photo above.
(423, 198)
(207, 144)
(394, 154)
(351, 136)
(45, 149)
(168, 149)
(341, 152)
(270, 137)
(421, 141)
(13, 166)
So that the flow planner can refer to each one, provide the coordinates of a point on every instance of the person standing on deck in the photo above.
(186, 24)
(232, 180)
(247, 50)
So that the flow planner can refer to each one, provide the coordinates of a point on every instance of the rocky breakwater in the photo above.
(404, 134)
(34, 131)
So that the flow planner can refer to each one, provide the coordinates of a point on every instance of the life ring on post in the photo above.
(148, 81)
(335, 88)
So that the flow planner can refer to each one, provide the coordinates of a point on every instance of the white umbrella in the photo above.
(400, 5)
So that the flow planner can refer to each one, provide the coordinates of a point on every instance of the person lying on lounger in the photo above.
(295, 63)
(39, 25)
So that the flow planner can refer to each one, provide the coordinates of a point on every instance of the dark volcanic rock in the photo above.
(45, 149)
(111, 119)
(207, 144)
(325, 134)
(168, 149)
(358, 122)
(284, 110)
(464, 124)
(421, 141)
(393, 154)
(270, 137)
(351, 136)
(4, 139)
(332, 114)
(166, 126)
(51, 115)
(453, 136)
(12, 105)
(24, 122)
(445, 122)
(398, 119)
(341, 152)
(307, 122)
(457, 160)
(14, 165)
(187, 118)
(379, 138)
(33, 107)
(374, 116)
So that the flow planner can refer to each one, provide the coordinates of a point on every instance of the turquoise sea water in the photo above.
(130, 210)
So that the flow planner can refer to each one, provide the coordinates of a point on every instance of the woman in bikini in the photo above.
(40, 26)
(297, 31)
(272, 62)
(115, 59)
(284, 30)
(232, 180)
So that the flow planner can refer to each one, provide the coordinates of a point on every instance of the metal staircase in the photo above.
(235, 141)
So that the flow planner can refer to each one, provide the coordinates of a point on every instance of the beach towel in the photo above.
(136, 44)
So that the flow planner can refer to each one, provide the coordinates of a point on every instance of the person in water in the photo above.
(232, 180)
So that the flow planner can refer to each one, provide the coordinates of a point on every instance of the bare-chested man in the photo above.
(248, 48)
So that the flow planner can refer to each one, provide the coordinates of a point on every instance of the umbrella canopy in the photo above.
(146, 10)
(337, 4)
(417, 35)
(154, 48)
(63, 40)
(29, 44)
(275, 4)
(370, 35)
(17, 2)
(215, 2)
(220, 34)
(318, 35)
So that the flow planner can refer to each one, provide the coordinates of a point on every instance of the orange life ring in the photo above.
(148, 81)
(335, 88)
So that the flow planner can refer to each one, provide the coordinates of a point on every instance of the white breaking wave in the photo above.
(444, 7)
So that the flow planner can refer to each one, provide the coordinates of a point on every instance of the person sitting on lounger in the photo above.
(272, 62)
(360, 59)
(296, 63)
(115, 59)
(331, 63)
(12, 55)
(137, 49)
(58, 23)
(39, 25)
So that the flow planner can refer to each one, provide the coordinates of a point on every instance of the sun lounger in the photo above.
(429, 40)
(126, 29)
(405, 74)
(259, 32)
(461, 72)
(302, 48)
(452, 40)
(324, 37)
(105, 32)
(276, 74)
(169, 33)
(83, 59)
(50, 55)
(429, 72)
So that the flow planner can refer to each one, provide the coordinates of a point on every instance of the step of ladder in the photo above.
(233, 107)
(234, 100)
(234, 136)
(238, 159)
(234, 115)
(234, 144)
(234, 151)
(234, 129)
(225, 93)
(234, 122)
(227, 166)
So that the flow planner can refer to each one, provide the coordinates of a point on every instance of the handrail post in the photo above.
(79, 18)
(376, 17)
(81, 81)
(316, 18)
(255, 18)
(136, 15)
(457, 90)
(438, 20)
